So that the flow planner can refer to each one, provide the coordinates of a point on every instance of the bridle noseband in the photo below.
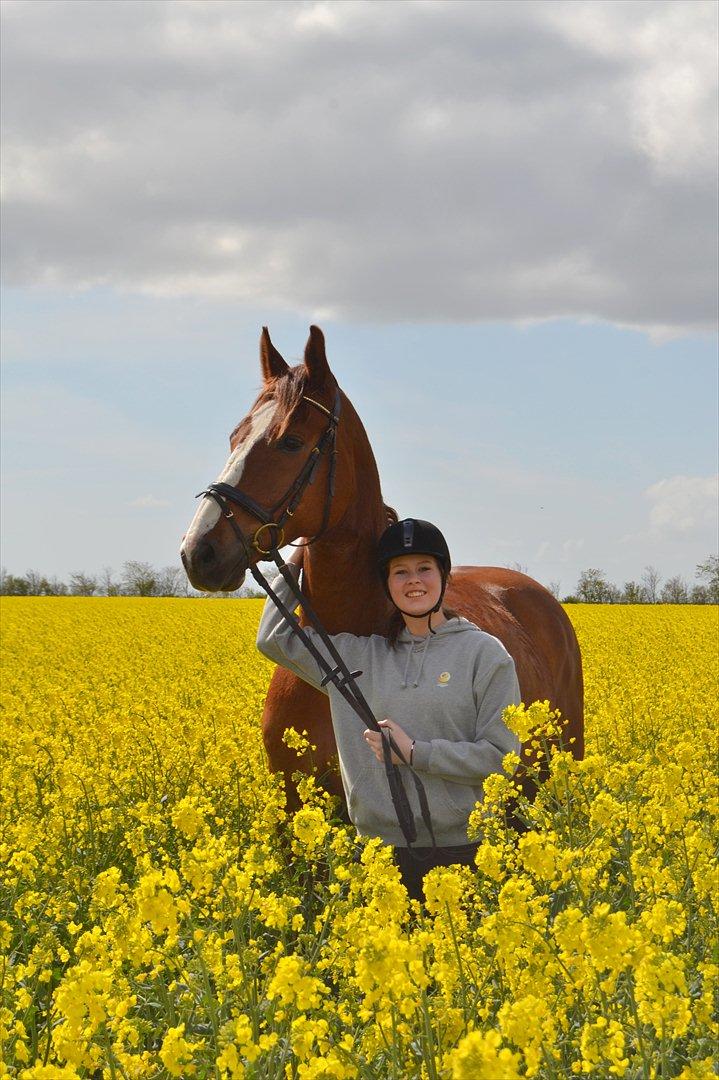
(224, 494)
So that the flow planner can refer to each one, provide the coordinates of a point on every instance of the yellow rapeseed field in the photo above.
(162, 916)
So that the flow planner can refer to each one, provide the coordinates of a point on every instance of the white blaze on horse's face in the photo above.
(208, 513)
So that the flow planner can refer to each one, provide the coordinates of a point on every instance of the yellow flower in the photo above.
(665, 920)
(156, 902)
(305, 1033)
(310, 827)
(538, 854)
(297, 741)
(609, 940)
(699, 1070)
(444, 887)
(527, 721)
(48, 1072)
(528, 1023)
(176, 1053)
(489, 861)
(187, 817)
(329, 1067)
(480, 1056)
(294, 986)
(661, 994)
(602, 1047)
(106, 891)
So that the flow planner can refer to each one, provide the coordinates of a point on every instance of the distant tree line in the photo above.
(142, 579)
(593, 588)
(135, 579)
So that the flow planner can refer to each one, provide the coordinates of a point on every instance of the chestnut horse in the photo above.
(268, 449)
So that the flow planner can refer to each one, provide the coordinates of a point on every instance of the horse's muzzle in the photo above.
(209, 569)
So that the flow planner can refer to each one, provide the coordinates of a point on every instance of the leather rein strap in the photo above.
(340, 675)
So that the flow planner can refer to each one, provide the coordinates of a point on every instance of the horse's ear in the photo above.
(316, 364)
(272, 362)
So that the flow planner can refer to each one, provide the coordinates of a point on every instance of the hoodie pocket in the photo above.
(460, 799)
(369, 802)
(372, 812)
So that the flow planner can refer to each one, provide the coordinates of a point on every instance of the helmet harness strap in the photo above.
(431, 611)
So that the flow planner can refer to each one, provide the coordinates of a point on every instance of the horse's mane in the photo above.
(286, 391)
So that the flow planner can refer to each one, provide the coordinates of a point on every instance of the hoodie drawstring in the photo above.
(406, 666)
(410, 651)
(421, 663)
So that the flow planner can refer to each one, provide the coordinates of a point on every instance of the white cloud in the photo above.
(394, 161)
(671, 88)
(322, 16)
(682, 504)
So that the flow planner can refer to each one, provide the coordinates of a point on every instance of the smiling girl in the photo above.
(441, 683)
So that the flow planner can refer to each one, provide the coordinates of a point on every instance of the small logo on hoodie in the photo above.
(443, 678)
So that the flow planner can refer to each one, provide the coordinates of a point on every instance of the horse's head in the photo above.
(269, 471)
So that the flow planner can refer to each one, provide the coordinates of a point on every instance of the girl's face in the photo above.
(414, 582)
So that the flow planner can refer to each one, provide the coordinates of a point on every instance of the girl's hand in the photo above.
(400, 737)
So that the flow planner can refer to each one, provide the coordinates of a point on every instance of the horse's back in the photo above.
(536, 631)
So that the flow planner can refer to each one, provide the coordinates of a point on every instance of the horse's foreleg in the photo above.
(292, 703)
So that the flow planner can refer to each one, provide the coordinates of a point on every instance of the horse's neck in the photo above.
(340, 569)
(342, 583)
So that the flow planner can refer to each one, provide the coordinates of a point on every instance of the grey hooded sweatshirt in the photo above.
(446, 690)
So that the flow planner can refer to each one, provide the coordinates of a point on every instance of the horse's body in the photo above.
(340, 574)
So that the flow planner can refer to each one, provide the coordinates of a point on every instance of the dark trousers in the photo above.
(415, 862)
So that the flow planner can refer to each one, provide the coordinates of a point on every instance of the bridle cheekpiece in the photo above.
(224, 494)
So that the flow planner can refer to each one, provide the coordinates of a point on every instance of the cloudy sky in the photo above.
(503, 215)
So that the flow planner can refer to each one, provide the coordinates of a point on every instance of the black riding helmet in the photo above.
(414, 537)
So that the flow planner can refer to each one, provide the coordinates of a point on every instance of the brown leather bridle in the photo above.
(224, 494)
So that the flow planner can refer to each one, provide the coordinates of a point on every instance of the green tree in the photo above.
(107, 585)
(35, 582)
(593, 588)
(708, 574)
(11, 585)
(634, 593)
(650, 579)
(675, 591)
(169, 581)
(138, 578)
(52, 587)
(82, 584)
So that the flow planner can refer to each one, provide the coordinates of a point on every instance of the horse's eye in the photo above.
(290, 442)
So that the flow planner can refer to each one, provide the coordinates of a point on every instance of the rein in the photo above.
(340, 676)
